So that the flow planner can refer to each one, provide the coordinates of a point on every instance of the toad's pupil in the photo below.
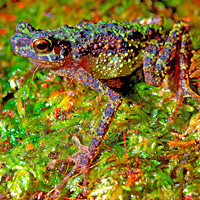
(42, 45)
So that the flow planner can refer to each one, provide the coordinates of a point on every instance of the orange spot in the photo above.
(56, 112)
(107, 46)
(175, 156)
(21, 5)
(64, 7)
(7, 141)
(7, 17)
(29, 147)
(44, 85)
(3, 31)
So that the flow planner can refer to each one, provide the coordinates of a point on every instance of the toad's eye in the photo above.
(41, 45)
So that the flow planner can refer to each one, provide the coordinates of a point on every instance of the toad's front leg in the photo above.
(86, 155)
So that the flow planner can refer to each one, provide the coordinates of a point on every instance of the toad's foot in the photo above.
(82, 160)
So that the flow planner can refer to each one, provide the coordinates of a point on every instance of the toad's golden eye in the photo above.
(41, 45)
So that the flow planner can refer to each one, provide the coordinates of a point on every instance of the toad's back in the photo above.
(106, 50)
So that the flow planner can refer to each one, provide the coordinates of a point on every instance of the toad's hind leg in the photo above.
(184, 68)
(183, 75)
(157, 63)
(86, 155)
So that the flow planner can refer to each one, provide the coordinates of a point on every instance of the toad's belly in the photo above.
(107, 66)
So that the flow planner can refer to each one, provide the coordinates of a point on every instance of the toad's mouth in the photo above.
(46, 64)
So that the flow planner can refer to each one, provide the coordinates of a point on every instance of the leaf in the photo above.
(20, 183)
